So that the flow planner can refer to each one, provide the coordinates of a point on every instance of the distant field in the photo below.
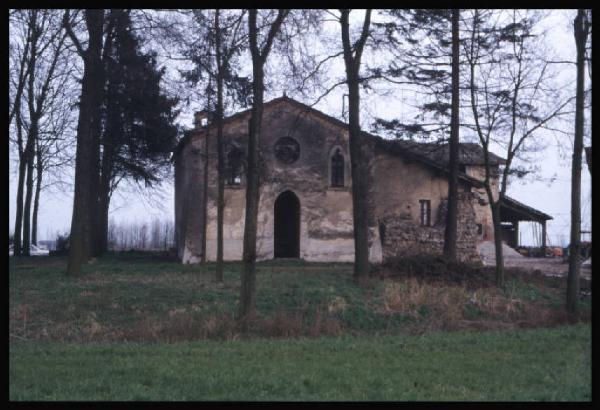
(523, 365)
(142, 326)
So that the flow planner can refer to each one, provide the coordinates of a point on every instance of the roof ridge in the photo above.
(331, 119)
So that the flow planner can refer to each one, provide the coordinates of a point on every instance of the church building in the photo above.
(305, 208)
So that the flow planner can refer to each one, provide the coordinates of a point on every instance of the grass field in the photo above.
(140, 326)
(523, 365)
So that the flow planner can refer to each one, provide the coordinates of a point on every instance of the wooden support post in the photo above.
(544, 236)
(516, 233)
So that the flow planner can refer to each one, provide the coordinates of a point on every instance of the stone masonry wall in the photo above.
(403, 236)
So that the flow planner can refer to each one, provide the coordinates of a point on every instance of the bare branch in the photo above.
(72, 36)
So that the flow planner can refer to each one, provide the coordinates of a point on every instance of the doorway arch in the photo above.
(287, 226)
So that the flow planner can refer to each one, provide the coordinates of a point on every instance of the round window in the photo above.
(287, 150)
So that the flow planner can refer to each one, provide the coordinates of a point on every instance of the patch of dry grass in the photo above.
(456, 307)
(142, 301)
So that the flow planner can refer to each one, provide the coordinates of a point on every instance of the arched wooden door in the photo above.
(287, 225)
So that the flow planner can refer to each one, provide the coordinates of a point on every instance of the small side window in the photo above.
(234, 167)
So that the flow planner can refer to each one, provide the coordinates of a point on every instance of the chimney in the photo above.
(200, 119)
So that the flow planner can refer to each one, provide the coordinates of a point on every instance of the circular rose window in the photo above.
(287, 150)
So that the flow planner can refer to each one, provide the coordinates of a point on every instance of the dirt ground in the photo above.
(547, 266)
(550, 267)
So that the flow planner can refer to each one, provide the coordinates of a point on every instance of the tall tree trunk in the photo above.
(102, 166)
(358, 159)
(498, 243)
(104, 204)
(100, 190)
(450, 234)
(32, 135)
(259, 57)
(18, 248)
(96, 225)
(581, 33)
(252, 176)
(359, 186)
(106, 174)
(220, 156)
(25, 67)
(29, 155)
(86, 154)
(203, 258)
(252, 198)
(221, 181)
(36, 201)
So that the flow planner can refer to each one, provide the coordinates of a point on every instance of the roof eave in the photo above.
(519, 207)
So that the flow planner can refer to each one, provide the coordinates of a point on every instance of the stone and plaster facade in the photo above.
(400, 179)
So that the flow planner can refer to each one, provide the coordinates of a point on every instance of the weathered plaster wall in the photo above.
(325, 212)
(481, 206)
(400, 184)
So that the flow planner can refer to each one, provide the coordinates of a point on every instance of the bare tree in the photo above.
(155, 234)
(88, 134)
(511, 97)
(224, 49)
(53, 153)
(259, 51)
(140, 235)
(582, 24)
(215, 48)
(424, 48)
(359, 162)
(20, 59)
(39, 86)
(143, 243)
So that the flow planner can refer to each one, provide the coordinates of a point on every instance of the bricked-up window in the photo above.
(234, 166)
(425, 212)
(337, 169)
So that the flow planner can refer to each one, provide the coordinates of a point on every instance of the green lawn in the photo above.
(524, 365)
(141, 326)
(136, 297)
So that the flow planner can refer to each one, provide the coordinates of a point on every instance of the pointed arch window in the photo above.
(234, 166)
(337, 169)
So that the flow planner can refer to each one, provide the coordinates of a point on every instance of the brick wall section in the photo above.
(404, 236)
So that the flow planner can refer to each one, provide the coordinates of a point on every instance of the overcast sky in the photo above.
(549, 191)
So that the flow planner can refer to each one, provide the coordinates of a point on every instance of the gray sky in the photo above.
(548, 192)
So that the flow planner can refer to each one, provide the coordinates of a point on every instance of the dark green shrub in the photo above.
(436, 268)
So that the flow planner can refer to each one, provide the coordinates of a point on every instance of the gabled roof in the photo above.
(468, 153)
(394, 148)
(430, 154)
(194, 131)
